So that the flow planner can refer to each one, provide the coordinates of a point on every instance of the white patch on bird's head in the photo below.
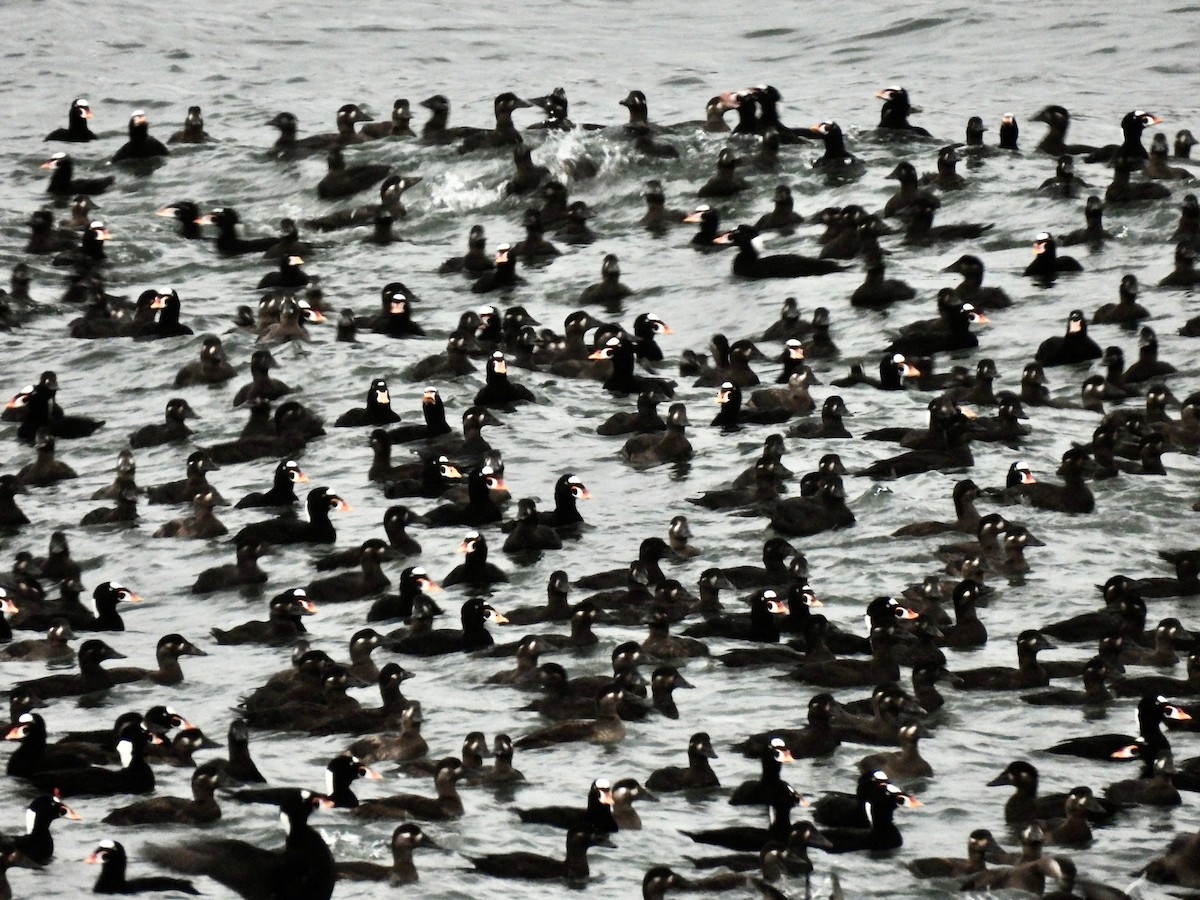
(328, 781)
(125, 752)
(30, 820)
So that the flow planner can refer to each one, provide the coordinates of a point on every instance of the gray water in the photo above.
(244, 66)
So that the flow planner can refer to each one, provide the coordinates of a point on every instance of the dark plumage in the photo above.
(302, 870)
(749, 264)
(290, 530)
(140, 146)
(111, 857)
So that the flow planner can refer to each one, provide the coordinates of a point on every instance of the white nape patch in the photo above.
(125, 752)
(328, 782)
(285, 823)
(758, 241)
(30, 819)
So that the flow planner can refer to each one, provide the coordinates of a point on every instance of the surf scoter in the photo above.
(1046, 262)
(77, 130)
(536, 867)
(696, 776)
(896, 110)
(1130, 153)
(475, 615)
(671, 446)
(64, 183)
(877, 291)
(1058, 120)
(754, 838)
(193, 129)
(1065, 184)
(342, 180)
(173, 429)
(140, 146)
(1152, 711)
(303, 870)
(597, 815)
(1184, 275)
(836, 163)
(1073, 347)
(1122, 189)
(405, 838)
(290, 530)
(45, 469)
(229, 243)
(261, 385)
(749, 264)
(378, 410)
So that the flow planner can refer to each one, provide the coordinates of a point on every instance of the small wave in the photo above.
(768, 32)
(909, 27)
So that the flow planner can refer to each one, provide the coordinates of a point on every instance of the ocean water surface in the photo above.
(243, 63)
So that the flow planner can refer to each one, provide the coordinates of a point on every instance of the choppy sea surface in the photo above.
(243, 63)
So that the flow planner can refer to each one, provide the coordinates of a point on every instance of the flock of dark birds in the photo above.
(438, 474)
